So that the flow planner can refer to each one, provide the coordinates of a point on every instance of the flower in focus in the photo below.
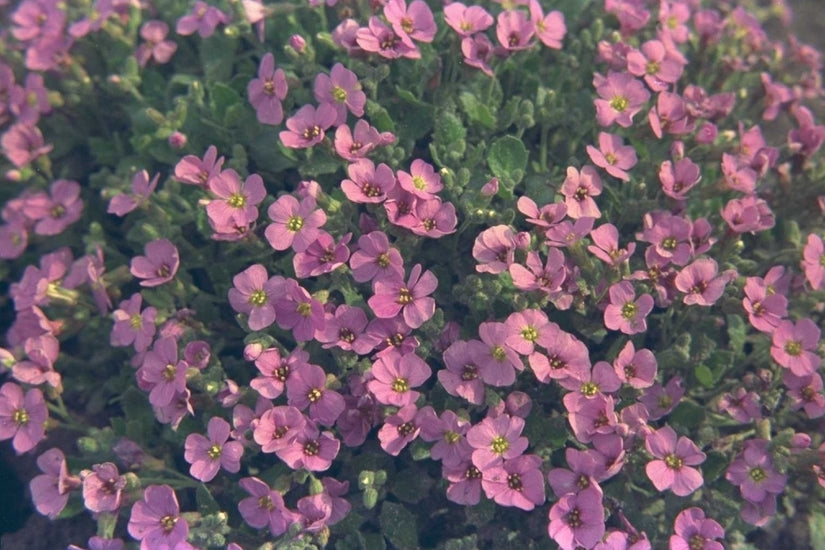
(156, 521)
(158, 266)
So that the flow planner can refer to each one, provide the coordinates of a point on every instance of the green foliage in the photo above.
(399, 526)
(507, 158)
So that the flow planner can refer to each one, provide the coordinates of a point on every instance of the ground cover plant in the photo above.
(362, 275)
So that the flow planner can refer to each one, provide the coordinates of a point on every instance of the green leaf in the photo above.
(412, 486)
(206, 502)
(736, 333)
(704, 376)
(688, 414)
(398, 525)
(817, 526)
(379, 117)
(507, 159)
(477, 111)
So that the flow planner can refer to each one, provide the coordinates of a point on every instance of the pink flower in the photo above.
(494, 249)
(203, 18)
(461, 377)
(656, 64)
(343, 329)
(753, 471)
(606, 245)
(299, 312)
(342, 90)
(50, 490)
(255, 295)
(158, 266)
(376, 259)
(813, 262)
(673, 461)
(237, 202)
(156, 520)
(422, 180)
(264, 507)
(550, 29)
(621, 97)
(311, 449)
(579, 190)
(517, 482)
(400, 429)
(694, 531)
(22, 417)
(359, 142)
(293, 224)
(795, 345)
(700, 283)
(495, 440)
(465, 483)
(749, 214)
(195, 171)
(467, 21)
(394, 375)
(565, 354)
(411, 299)
(577, 520)
(587, 468)
(378, 38)
(514, 31)
(625, 313)
(415, 22)
(613, 156)
(805, 392)
(498, 362)
(22, 144)
(102, 488)
(679, 178)
(29, 102)
(209, 454)
(590, 417)
(448, 433)
(477, 51)
(434, 218)
(741, 405)
(161, 373)
(306, 127)
(670, 236)
(636, 368)
(308, 388)
(322, 256)
(156, 46)
(660, 400)
(142, 187)
(366, 183)
(133, 326)
(278, 427)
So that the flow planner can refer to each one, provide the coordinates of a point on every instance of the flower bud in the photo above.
(177, 140)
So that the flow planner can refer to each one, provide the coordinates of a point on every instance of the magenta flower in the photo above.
(625, 312)
(342, 90)
(158, 266)
(613, 156)
(465, 483)
(411, 299)
(400, 429)
(550, 29)
(294, 224)
(754, 473)
(268, 91)
(494, 249)
(461, 377)
(422, 180)
(322, 256)
(587, 468)
(311, 449)
(237, 202)
(34, 19)
(142, 187)
(102, 488)
(195, 171)
(161, 373)
(50, 490)
(254, 295)
(590, 416)
(133, 326)
(156, 46)
(308, 388)
(795, 344)
(660, 400)
(514, 31)
(343, 329)
(203, 18)
(368, 183)
(694, 531)
(264, 507)
(700, 283)
(749, 214)
(498, 362)
(517, 482)
(606, 245)
(813, 262)
(306, 127)
(376, 259)
(467, 21)
(635, 368)
(565, 354)
(678, 178)
(805, 392)
(670, 236)
(357, 143)
(495, 440)
(659, 67)
(621, 97)
(276, 370)
(209, 454)
(547, 277)
(672, 467)
(741, 405)
(299, 312)
(415, 22)
(577, 520)
(448, 432)
(394, 375)
(278, 427)
(22, 417)
(156, 520)
(579, 189)
(477, 51)
(378, 38)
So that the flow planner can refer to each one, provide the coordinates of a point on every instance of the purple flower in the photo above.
(209, 454)
(394, 376)
(264, 507)
(495, 440)
(100, 543)
(678, 178)
(550, 29)
(278, 427)
(378, 38)
(635, 368)
(753, 471)
(659, 67)
(613, 156)
(606, 245)
(514, 31)
(694, 531)
(579, 189)
(203, 18)
(268, 91)
(306, 127)
(102, 488)
(294, 224)
(461, 377)
(415, 22)
(448, 433)
(255, 295)
(322, 256)
(161, 373)
(195, 171)
(342, 90)
(393, 296)
(813, 261)
(308, 388)
(376, 259)
(158, 266)
(621, 96)
(22, 417)
(467, 21)
(517, 482)
(237, 202)
(354, 144)
(311, 449)
(133, 326)
(142, 187)
(626, 313)
(700, 283)
(50, 490)
(577, 520)
(672, 467)
(422, 180)
(400, 429)
(156, 521)
(22, 144)
(299, 312)
(156, 46)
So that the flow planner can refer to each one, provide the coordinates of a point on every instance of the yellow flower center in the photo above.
(258, 298)
(400, 385)
(339, 94)
(214, 452)
(20, 417)
(673, 462)
(236, 200)
(499, 444)
(295, 223)
(314, 395)
(619, 103)
(629, 310)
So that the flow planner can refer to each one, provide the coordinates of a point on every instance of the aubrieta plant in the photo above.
(390, 274)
